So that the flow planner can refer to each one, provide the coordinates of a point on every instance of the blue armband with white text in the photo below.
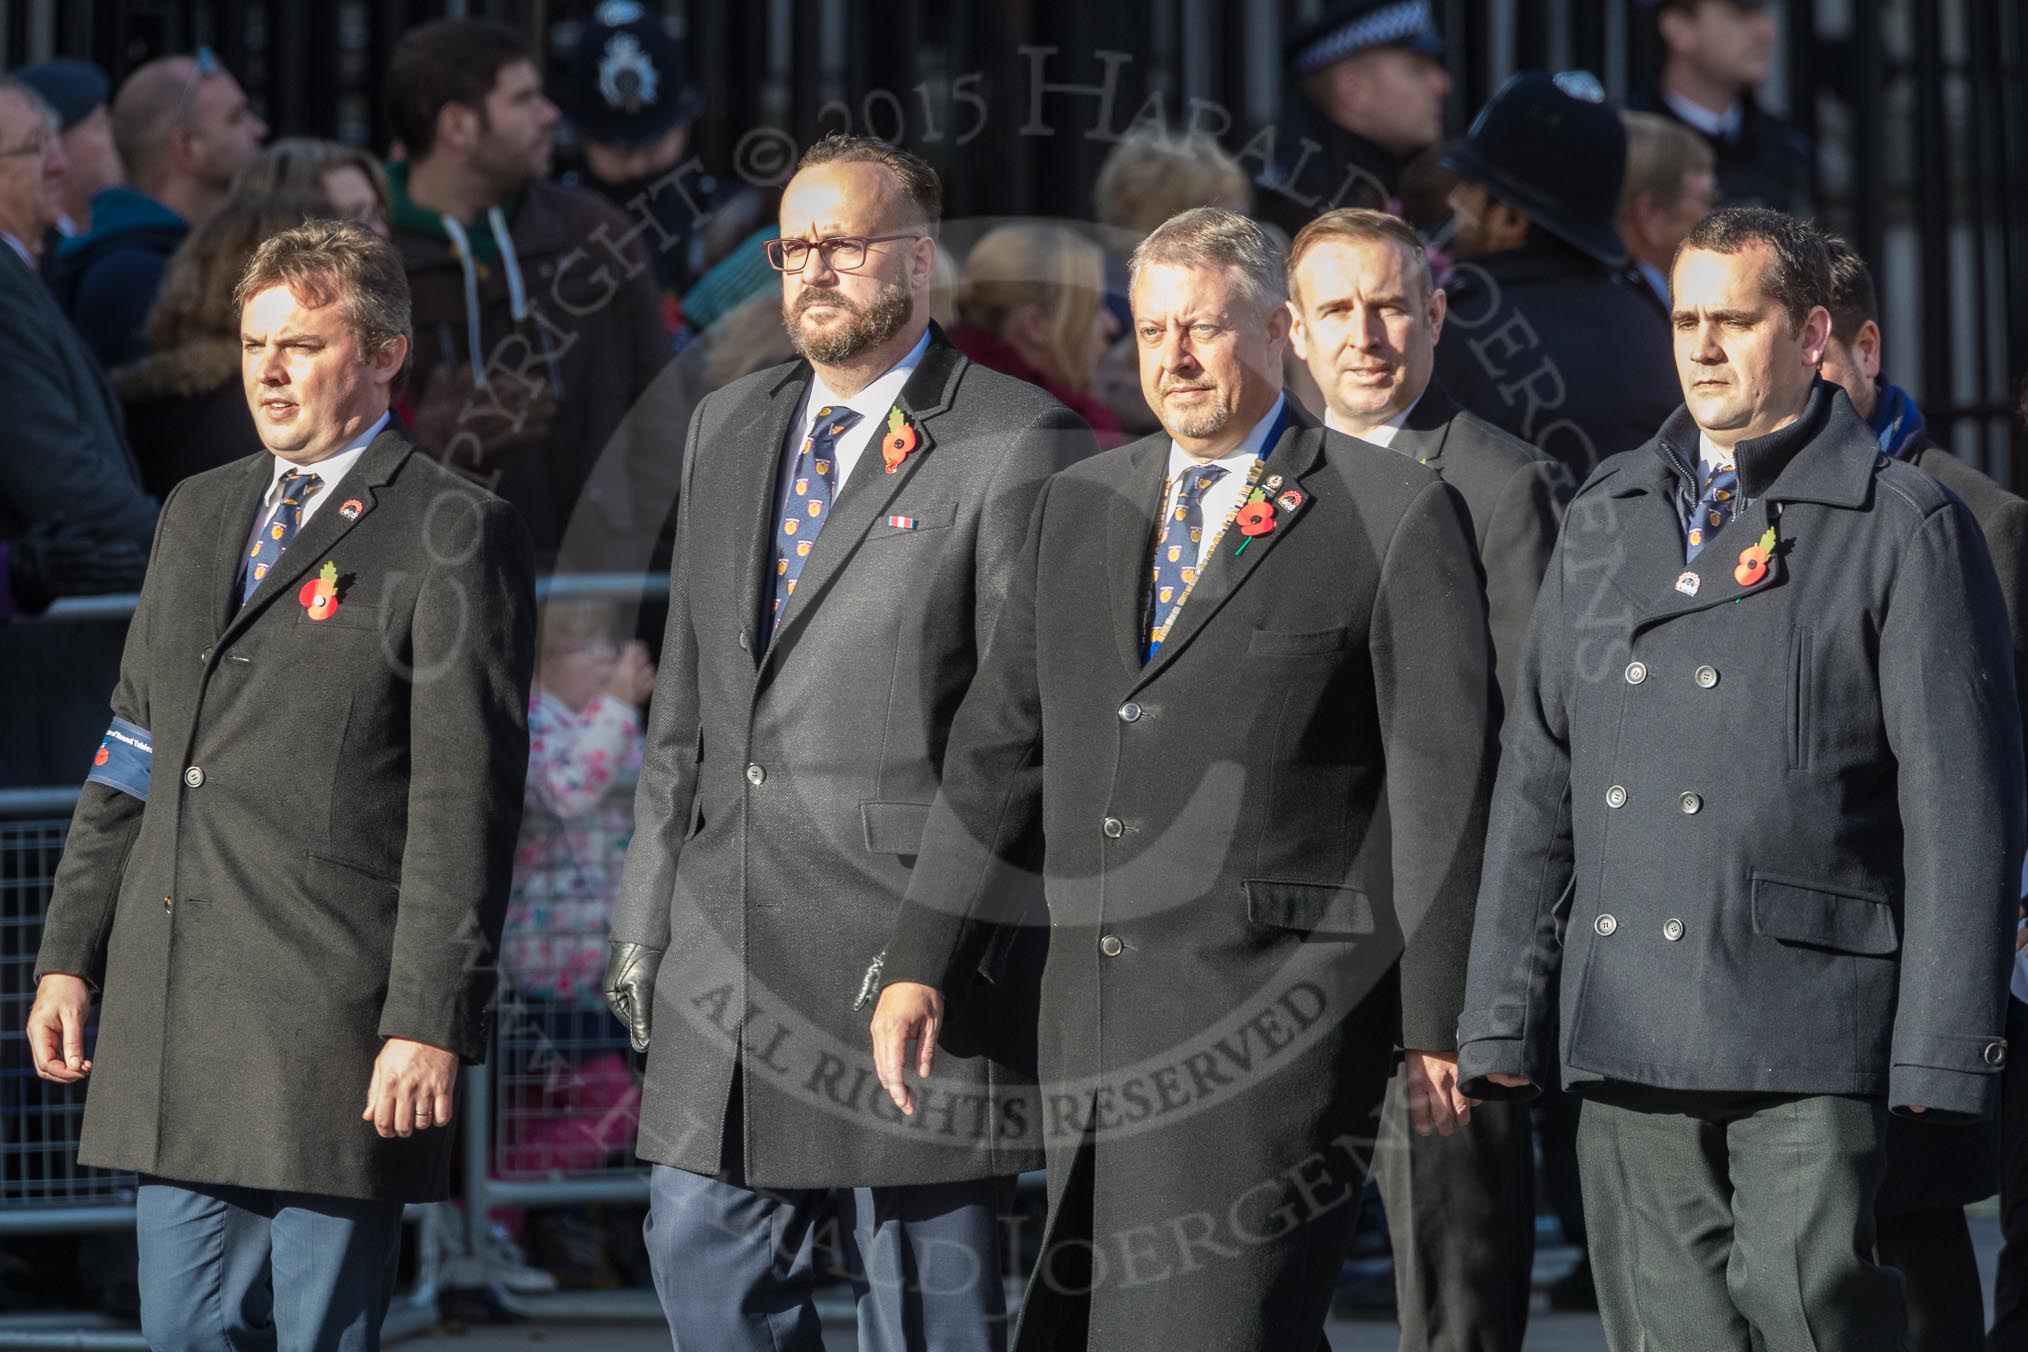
(123, 759)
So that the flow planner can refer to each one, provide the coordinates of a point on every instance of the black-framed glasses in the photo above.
(203, 64)
(842, 253)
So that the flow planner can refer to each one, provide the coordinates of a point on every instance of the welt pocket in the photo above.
(1799, 700)
(894, 828)
(1298, 643)
(1312, 908)
(902, 520)
(325, 861)
(1823, 915)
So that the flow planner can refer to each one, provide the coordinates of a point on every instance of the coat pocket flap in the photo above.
(894, 828)
(1320, 908)
(1823, 917)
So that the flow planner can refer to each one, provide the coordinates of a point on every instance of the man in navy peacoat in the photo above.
(1760, 787)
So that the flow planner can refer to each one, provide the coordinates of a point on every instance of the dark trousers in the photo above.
(736, 1267)
(1461, 1217)
(1736, 1222)
(2010, 1285)
(1939, 1269)
(239, 1269)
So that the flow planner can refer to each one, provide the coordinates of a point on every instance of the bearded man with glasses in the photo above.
(849, 524)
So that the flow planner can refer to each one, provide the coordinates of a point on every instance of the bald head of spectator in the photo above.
(1671, 184)
(32, 166)
(184, 131)
(1152, 175)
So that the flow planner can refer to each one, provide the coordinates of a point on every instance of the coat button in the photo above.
(1636, 672)
(204, 656)
(1707, 677)
(1605, 925)
(194, 777)
(1995, 1054)
(1113, 827)
(1110, 945)
(1692, 804)
(742, 640)
(1672, 930)
(755, 775)
(1616, 796)
(1130, 713)
(168, 905)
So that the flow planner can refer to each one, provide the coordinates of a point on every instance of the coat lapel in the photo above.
(865, 496)
(315, 541)
(1716, 567)
(1423, 433)
(1297, 452)
(242, 498)
(1130, 544)
(756, 490)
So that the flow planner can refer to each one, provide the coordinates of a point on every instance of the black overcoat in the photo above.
(1759, 835)
(1931, 1165)
(1559, 350)
(1515, 496)
(786, 784)
(1226, 977)
(323, 858)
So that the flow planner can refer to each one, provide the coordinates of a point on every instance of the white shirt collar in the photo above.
(1382, 435)
(330, 469)
(19, 248)
(876, 398)
(1239, 459)
(1711, 456)
(1723, 125)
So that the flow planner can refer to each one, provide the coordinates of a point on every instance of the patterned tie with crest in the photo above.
(809, 501)
(1175, 567)
(1715, 509)
(298, 487)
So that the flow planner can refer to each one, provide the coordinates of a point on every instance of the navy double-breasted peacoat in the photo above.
(1756, 829)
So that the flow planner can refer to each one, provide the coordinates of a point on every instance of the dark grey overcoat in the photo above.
(1759, 836)
(323, 858)
(1226, 978)
(783, 794)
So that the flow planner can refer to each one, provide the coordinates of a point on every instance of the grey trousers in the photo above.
(1461, 1217)
(227, 1269)
(736, 1268)
(1737, 1222)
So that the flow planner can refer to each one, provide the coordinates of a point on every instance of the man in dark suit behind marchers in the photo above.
(299, 915)
(850, 523)
(1461, 1202)
(1759, 809)
(1233, 652)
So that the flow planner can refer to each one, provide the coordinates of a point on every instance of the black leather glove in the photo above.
(53, 558)
(630, 988)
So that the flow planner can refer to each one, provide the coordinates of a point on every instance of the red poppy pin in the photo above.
(1753, 560)
(319, 596)
(900, 440)
(1256, 517)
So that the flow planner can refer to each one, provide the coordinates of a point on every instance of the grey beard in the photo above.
(1209, 423)
(884, 316)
